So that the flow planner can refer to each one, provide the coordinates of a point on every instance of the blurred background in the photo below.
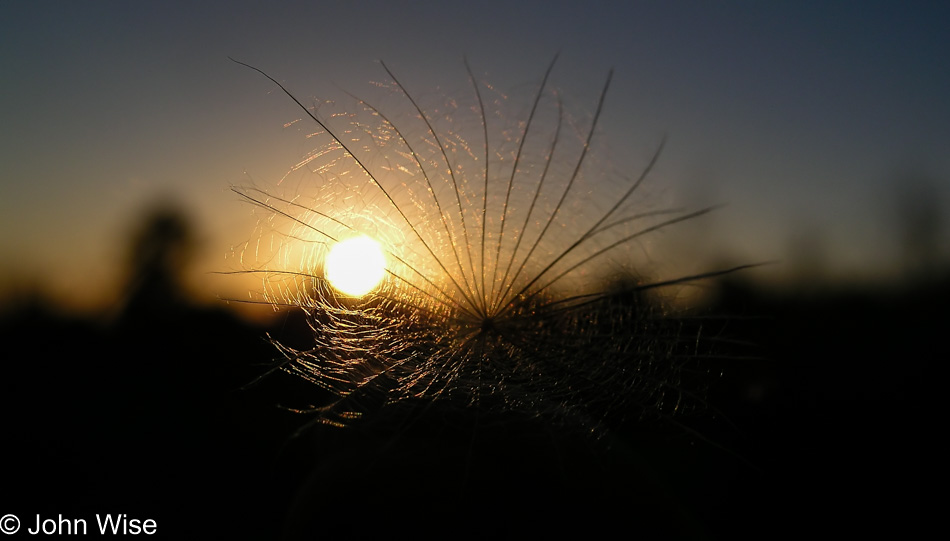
(824, 128)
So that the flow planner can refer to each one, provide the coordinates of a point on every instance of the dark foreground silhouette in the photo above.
(830, 425)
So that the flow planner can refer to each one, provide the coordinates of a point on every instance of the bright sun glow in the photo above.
(355, 266)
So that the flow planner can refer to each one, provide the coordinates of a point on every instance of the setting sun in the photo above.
(355, 266)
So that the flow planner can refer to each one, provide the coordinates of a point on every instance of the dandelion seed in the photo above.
(495, 243)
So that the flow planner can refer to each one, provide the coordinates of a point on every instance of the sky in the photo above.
(812, 122)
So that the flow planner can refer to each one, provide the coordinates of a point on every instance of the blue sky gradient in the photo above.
(804, 118)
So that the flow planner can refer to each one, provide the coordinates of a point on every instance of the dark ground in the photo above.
(836, 432)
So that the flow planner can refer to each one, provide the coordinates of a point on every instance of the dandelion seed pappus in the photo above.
(502, 233)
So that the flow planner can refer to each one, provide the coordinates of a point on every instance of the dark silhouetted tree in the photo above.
(159, 252)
